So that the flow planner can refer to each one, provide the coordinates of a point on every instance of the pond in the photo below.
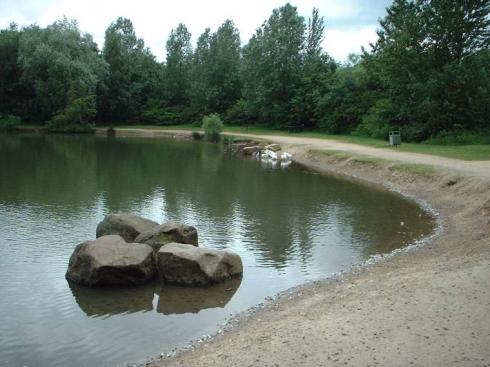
(288, 224)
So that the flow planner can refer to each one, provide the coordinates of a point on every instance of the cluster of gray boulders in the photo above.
(133, 250)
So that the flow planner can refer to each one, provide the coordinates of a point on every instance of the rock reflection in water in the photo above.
(113, 301)
(172, 300)
(180, 300)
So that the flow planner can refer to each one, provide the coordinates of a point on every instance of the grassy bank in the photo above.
(419, 169)
(464, 152)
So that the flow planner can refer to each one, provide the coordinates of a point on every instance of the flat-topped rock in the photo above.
(128, 226)
(188, 265)
(168, 233)
(109, 260)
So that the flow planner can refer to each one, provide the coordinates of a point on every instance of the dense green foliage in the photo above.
(9, 122)
(428, 75)
(212, 126)
(133, 74)
(432, 65)
(61, 67)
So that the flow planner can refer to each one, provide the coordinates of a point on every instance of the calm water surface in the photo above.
(288, 225)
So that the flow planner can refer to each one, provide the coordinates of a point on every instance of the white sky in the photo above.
(350, 24)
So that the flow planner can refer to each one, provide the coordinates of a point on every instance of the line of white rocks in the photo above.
(133, 250)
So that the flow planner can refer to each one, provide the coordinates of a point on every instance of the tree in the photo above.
(12, 93)
(316, 74)
(178, 65)
(215, 81)
(422, 61)
(200, 74)
(456, 29)
(134, 74)
(272, 66)
(225, 56)
(345, 100)
(314, 37)
(61, 65)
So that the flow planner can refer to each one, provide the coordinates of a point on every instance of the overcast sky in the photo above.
(350, 24)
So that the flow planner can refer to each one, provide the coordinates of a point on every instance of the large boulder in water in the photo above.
(109, 260)
(128, 226)
(188, 265)
(168, 233)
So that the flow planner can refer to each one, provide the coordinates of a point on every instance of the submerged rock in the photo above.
(188, 265)
(168, 233)
(109, 260)
(128, 226)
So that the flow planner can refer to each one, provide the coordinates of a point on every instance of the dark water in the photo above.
(288, 225)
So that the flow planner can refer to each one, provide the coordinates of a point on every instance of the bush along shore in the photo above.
(131, 250)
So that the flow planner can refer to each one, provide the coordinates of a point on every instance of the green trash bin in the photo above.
(395, 138)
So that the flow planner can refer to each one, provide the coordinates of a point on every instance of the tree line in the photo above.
(428, 74)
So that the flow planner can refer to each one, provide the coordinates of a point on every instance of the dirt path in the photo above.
(425, 307)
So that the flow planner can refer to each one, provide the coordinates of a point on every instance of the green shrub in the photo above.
(461, 137)
(9, 122)
(197, 123)
(212, 126)
(77, 117)
(238, 114)
(158, 114)
(375, 123)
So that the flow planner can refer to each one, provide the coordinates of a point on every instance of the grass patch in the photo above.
(337, 154)
(464, 152)
(370, 160)
(418, 169)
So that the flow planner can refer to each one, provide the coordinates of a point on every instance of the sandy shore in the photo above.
(426, 307)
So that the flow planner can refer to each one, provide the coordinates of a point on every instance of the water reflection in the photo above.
(113, 301)
(180, 300)
(96, 302)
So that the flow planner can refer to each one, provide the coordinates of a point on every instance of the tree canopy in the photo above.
(427, 74)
